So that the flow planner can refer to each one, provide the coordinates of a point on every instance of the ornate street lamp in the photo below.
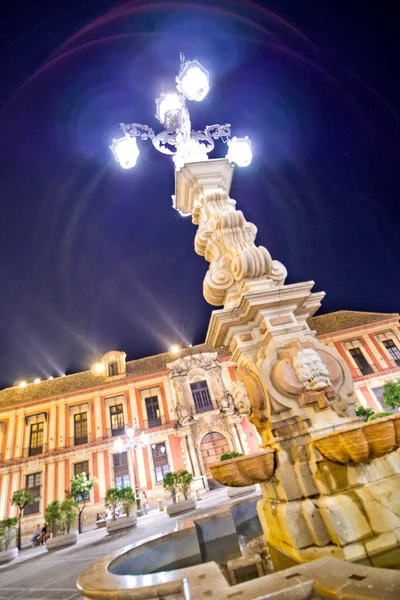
(134, 443)
(178, 139)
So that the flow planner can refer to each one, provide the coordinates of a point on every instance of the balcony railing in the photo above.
(78, 441)
(34, 451)
(155, 422)
(116, 432)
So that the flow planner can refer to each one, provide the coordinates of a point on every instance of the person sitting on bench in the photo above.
(36, 536)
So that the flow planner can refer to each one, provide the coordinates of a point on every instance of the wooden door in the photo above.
(212, 446)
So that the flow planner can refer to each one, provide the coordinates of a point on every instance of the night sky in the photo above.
(94, 258)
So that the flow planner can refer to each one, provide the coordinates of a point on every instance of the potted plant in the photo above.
(80, 490)
(360, 411)
(21, 498)
(7, 531)
(125, 497)
(52, 517)
(169, 484)
(234, 492)
(181, 481)
(69, 510)
(391, 394)
(111, 501)
(379, 415)
(60, 517)
(229, 455)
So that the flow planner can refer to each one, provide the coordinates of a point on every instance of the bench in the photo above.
(101, 523)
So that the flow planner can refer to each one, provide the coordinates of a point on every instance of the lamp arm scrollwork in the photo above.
(219, 132)
(137, 130)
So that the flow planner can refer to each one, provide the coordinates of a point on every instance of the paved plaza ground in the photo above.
(41, 575)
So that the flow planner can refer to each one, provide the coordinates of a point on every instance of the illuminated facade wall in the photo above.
(370, 344)
(55, 429)
(44, 441)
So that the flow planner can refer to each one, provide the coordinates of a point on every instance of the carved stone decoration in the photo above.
(249, 400)
(288, 368)
(34, 465)
(183, 415)
(226, 240)
(208, 422)
(240, 398)
(310, 370)
(182, 366)
(226, 404)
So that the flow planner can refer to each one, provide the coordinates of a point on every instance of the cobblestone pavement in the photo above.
(41, 575)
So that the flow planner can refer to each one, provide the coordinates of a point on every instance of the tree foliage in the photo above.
(126, 497)
(69, 510)
(53, 516)
(21, 498)
(111, 499)
(7, 530)
(169, 484)
(183, 482)
(229, 455)
(360, 411)
(80, 488)
(391, 394)
(379, 415)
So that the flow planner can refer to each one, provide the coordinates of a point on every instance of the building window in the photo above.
(121, 470)
(393, 351)
(117, 420)
(358, 356)
(33, 485)
(80, 429)
(201, 396)
(160, 461)
(152, 411)
(82, 467)
(378, 392)
(36, 440)
(112, 369)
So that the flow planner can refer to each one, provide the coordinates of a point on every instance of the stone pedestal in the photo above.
(292, 387)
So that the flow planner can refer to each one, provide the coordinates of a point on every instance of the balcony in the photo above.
(34, 451)
(155, 422)
(110, 432)
(78, 441)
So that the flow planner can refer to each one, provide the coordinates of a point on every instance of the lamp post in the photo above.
(134, 443)
(178, 139)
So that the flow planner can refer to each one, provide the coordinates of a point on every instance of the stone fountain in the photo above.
(330, 483)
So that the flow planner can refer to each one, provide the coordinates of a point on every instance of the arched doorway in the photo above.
(212, 446)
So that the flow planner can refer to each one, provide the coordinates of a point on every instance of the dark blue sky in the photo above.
(94, 258)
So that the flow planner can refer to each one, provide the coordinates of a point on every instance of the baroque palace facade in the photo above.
(52, 430)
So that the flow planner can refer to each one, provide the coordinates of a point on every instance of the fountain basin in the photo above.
(245, 470)
(361, 442)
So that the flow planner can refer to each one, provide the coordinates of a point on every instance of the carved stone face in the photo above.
(240, 399)
(310, 370)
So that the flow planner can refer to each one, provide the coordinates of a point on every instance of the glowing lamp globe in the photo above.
(174, 349)
(168, 108)
(193, 81)
(37, 380)
(130, 431)
(240, 151)
(125, 151)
